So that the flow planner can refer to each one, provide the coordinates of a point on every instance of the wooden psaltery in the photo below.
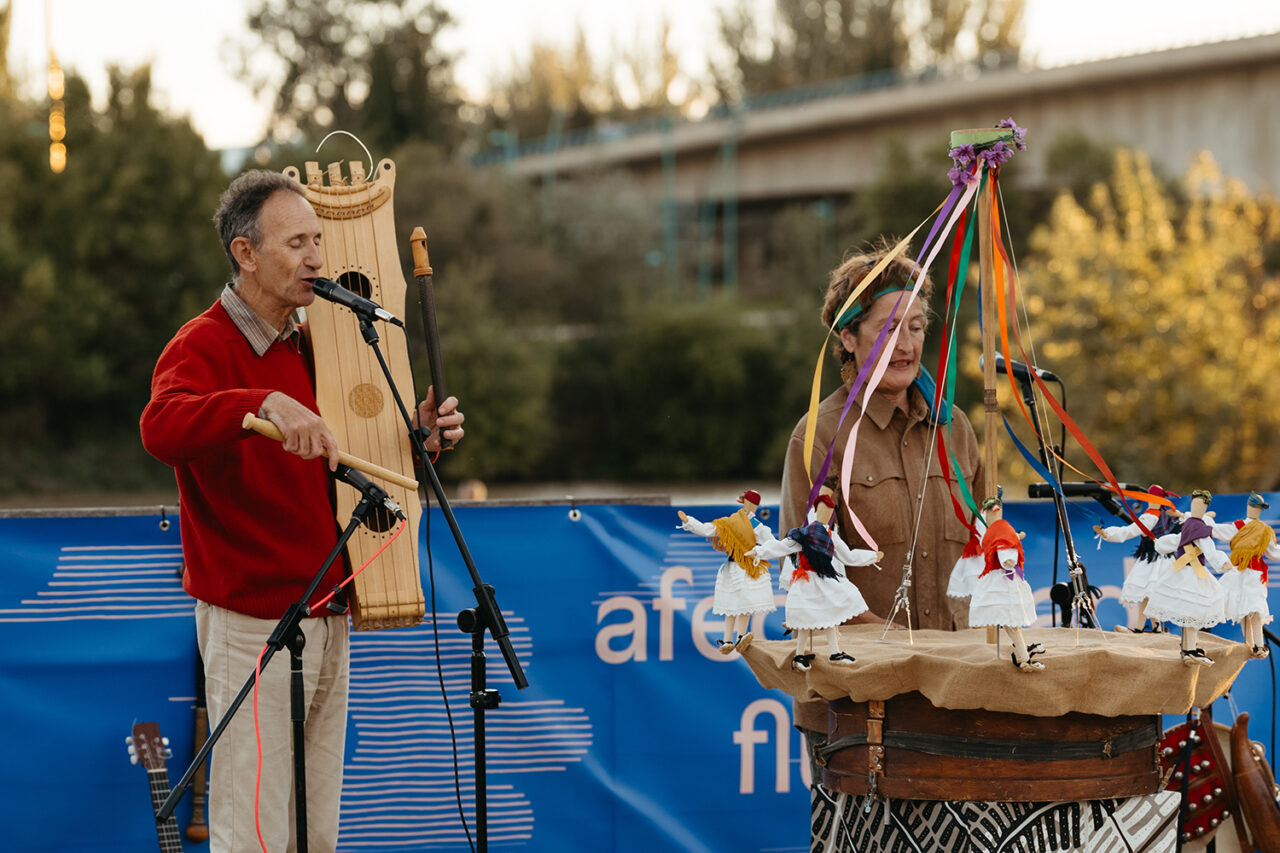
(359, 249)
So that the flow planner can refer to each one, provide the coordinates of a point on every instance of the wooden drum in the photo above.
(914, 750)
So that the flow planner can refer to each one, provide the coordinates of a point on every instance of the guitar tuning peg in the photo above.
(168, 753)
(129, 740)
(165, 741)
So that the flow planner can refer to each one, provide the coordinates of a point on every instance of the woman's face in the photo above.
(904, 364)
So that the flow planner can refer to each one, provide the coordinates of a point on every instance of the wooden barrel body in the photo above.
(913, 750)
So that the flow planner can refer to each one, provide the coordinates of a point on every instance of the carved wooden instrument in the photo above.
(148, 748)
(359, 248)
(1256, 788)
(270, 430)
(198, 829)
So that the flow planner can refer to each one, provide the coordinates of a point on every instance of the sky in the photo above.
(186, 41)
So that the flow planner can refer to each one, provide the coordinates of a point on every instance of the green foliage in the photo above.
(103, 263)
(810, 42)
(1160, 306)
(371, 67)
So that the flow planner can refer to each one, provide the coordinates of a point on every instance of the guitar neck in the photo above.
(170, 839)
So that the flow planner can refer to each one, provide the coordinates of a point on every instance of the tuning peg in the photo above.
(165, 741)
(168, 753)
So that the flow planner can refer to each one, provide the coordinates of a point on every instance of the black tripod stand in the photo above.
(1075, 597)
(288, 632)
(485, 616)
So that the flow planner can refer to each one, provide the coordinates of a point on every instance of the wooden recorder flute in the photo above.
(270, 430)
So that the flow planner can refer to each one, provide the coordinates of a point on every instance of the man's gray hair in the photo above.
(240, 206)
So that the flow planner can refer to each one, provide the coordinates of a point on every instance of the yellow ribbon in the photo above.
(1191, 557)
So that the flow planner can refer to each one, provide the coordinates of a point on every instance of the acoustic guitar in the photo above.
(147, 747)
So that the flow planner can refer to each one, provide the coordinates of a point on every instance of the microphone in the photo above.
(368, 488)
(364, 308)
(1077, 490)
(1020, 371)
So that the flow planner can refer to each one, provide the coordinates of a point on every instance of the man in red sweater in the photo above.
(257, 515)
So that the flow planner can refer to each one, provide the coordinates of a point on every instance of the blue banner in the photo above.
(634, 734)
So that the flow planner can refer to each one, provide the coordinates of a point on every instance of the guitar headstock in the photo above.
(147, 747)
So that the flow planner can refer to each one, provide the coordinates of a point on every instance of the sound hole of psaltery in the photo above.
(356, 283)
(380, 520)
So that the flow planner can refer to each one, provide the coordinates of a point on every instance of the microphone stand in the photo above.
(485, 616)
(1081, 599)
(288, 631)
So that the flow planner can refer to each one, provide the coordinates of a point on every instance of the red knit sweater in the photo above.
(257, 521)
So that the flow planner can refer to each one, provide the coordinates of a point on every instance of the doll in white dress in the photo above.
(1001, 595)
(969, 565)
(1244, 583)
(743, 584)
(1159, 520)
(820, 595)
(1186, 594)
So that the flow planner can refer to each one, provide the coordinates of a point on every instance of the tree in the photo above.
(814, 41)
(564, 90)
(1159, 311)
(106, 260)
(371, 67)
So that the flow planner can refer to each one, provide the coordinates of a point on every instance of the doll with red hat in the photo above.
(1001, 595)
(820, 596)
(743, 584)
(1148, 563)
(1244, 581)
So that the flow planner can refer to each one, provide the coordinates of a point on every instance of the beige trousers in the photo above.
(230, 643)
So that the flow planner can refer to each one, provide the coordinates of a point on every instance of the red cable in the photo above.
(257, 675)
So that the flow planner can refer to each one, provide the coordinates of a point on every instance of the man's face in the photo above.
(288, 261)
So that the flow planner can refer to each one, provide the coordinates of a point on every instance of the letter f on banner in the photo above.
(747, 737)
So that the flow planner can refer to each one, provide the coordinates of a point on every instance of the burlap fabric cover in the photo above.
(1106, 673)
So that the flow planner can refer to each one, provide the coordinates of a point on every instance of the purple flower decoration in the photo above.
(1019, 133)
(961, 176)
(961, 154)
(996, 154)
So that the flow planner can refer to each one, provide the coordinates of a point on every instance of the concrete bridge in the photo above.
(1222, 97)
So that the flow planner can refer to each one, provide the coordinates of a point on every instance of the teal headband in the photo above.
(856, 309)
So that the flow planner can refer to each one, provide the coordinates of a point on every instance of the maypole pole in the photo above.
(978, 138)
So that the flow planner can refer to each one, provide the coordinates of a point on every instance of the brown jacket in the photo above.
(886, 484)
(887, 479)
